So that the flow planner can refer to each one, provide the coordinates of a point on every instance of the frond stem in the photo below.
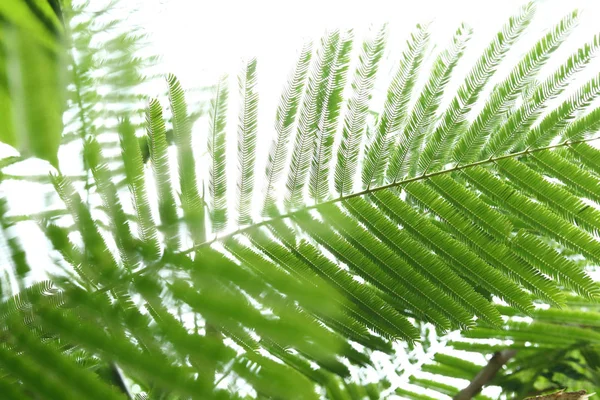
(383, 187)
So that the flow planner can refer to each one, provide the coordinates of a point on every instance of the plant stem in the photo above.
(383, 187)
(486, 375)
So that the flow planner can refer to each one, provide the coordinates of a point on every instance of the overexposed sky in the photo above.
(201, 39)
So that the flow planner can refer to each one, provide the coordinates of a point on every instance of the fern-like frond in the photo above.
(578, 129)
(328, 119)
(397, 287)
(555, 197)
(97, 258)
(404, 156)
(587, 155)
(284, 123)
(357, 110)
(42, 357)
(534, 213)
(494, 253)
(521, 119)
(393, 117)
(472, 141)
(134, 171)
(216, 147)
(456, 254)
(455, 215)
(191, 202)
(247, 129)
(107, 190)
(425, 263)
(562, 117)
(454, 118)
(579, 180)
(157, 137)
(547, 260)
(314, 102)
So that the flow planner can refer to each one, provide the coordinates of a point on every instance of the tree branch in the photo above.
(498, 360)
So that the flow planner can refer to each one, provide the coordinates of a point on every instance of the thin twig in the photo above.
(486, 375)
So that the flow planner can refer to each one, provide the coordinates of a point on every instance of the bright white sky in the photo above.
(199, 40)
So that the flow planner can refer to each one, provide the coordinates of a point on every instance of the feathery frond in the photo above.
(524, 116)
(357, 110)
(408, 144)
(157, 137)
(134, 171)
(328, 119)
(216, 147)
(191, 202)
(393, 117)
(469, 145)
(454, 118)
(481, 223)
(247, 129)
(314, 104)
(285, 118)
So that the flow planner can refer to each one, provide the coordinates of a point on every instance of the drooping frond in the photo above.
(585, 154)
(534, 213)
(247, 129)
(216, 147)
(455, 253)
(417, 255)
(547, 260)
(494, 253)
(356, 111)
(576, 179)
(393, 117)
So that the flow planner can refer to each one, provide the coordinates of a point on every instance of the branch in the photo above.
(498, 360)
(368, 191)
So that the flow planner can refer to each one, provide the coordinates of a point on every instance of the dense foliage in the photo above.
(378, 225)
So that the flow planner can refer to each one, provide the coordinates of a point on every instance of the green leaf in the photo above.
(191, 201)
(247, 130)
(216, 147)
(357, 110)
(393, 117)
(31, 90)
